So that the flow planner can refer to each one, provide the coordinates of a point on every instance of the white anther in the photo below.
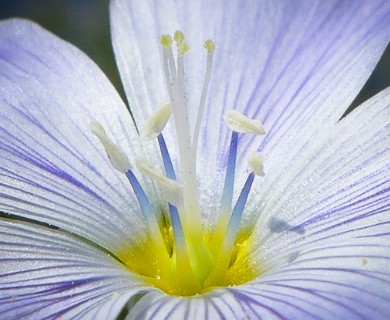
(238, 122)
(157, 121)
(255, 161)
(116, 156)
(172, 190)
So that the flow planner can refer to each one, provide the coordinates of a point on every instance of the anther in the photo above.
(236, 121)
(255, 161)
(171, 189)
(116, 156)
(157, 121)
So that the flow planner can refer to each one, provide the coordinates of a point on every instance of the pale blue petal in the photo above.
(336, 190)
(52, 168)
(346, 280)
(219, 304)
(46, 274)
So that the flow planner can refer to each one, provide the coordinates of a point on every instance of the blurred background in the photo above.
(85, 23)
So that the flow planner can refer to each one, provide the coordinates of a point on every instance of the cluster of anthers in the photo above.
(177, 255)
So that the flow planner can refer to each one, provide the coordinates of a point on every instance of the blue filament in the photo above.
(176, 224)
(170, 172)
(143, 200)
(239, 208)
(229, 178)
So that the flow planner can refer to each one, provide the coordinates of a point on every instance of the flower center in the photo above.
(178, 255)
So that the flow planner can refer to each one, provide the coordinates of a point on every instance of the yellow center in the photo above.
(151, 264)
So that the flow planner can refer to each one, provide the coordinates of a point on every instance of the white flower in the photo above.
(77, 240)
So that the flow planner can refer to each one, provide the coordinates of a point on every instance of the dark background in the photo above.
(85, 23)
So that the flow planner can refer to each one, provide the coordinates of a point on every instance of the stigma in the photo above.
(185, 258)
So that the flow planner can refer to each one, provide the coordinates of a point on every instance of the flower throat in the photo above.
(177, 255)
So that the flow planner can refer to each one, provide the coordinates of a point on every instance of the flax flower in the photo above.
(232, 191)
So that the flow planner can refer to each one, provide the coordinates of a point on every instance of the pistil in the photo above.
(199, 255)
(184, 260)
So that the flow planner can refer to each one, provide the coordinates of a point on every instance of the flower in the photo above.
(312, 241)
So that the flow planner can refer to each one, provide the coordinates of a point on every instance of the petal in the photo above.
(219, 304)
(290, 37)
(52, 167)
(338, 189)
(49, 274)
(295, 66)
(343, 280)
(348, 280)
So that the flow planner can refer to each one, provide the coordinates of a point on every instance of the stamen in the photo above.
(226, 203)
(256, 163)
(157, 121)
(182, 259)
(120, 162)
(238, 209)
(149, 214)
(116, 156)
(238, 122)
(171, 189)
(226, 250)
(168, 166)
(230, 170)
(142, 198)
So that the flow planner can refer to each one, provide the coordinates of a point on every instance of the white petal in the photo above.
(53, 169)
(49, 274)
(337, 187)
(342, 280)
(219, 304)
